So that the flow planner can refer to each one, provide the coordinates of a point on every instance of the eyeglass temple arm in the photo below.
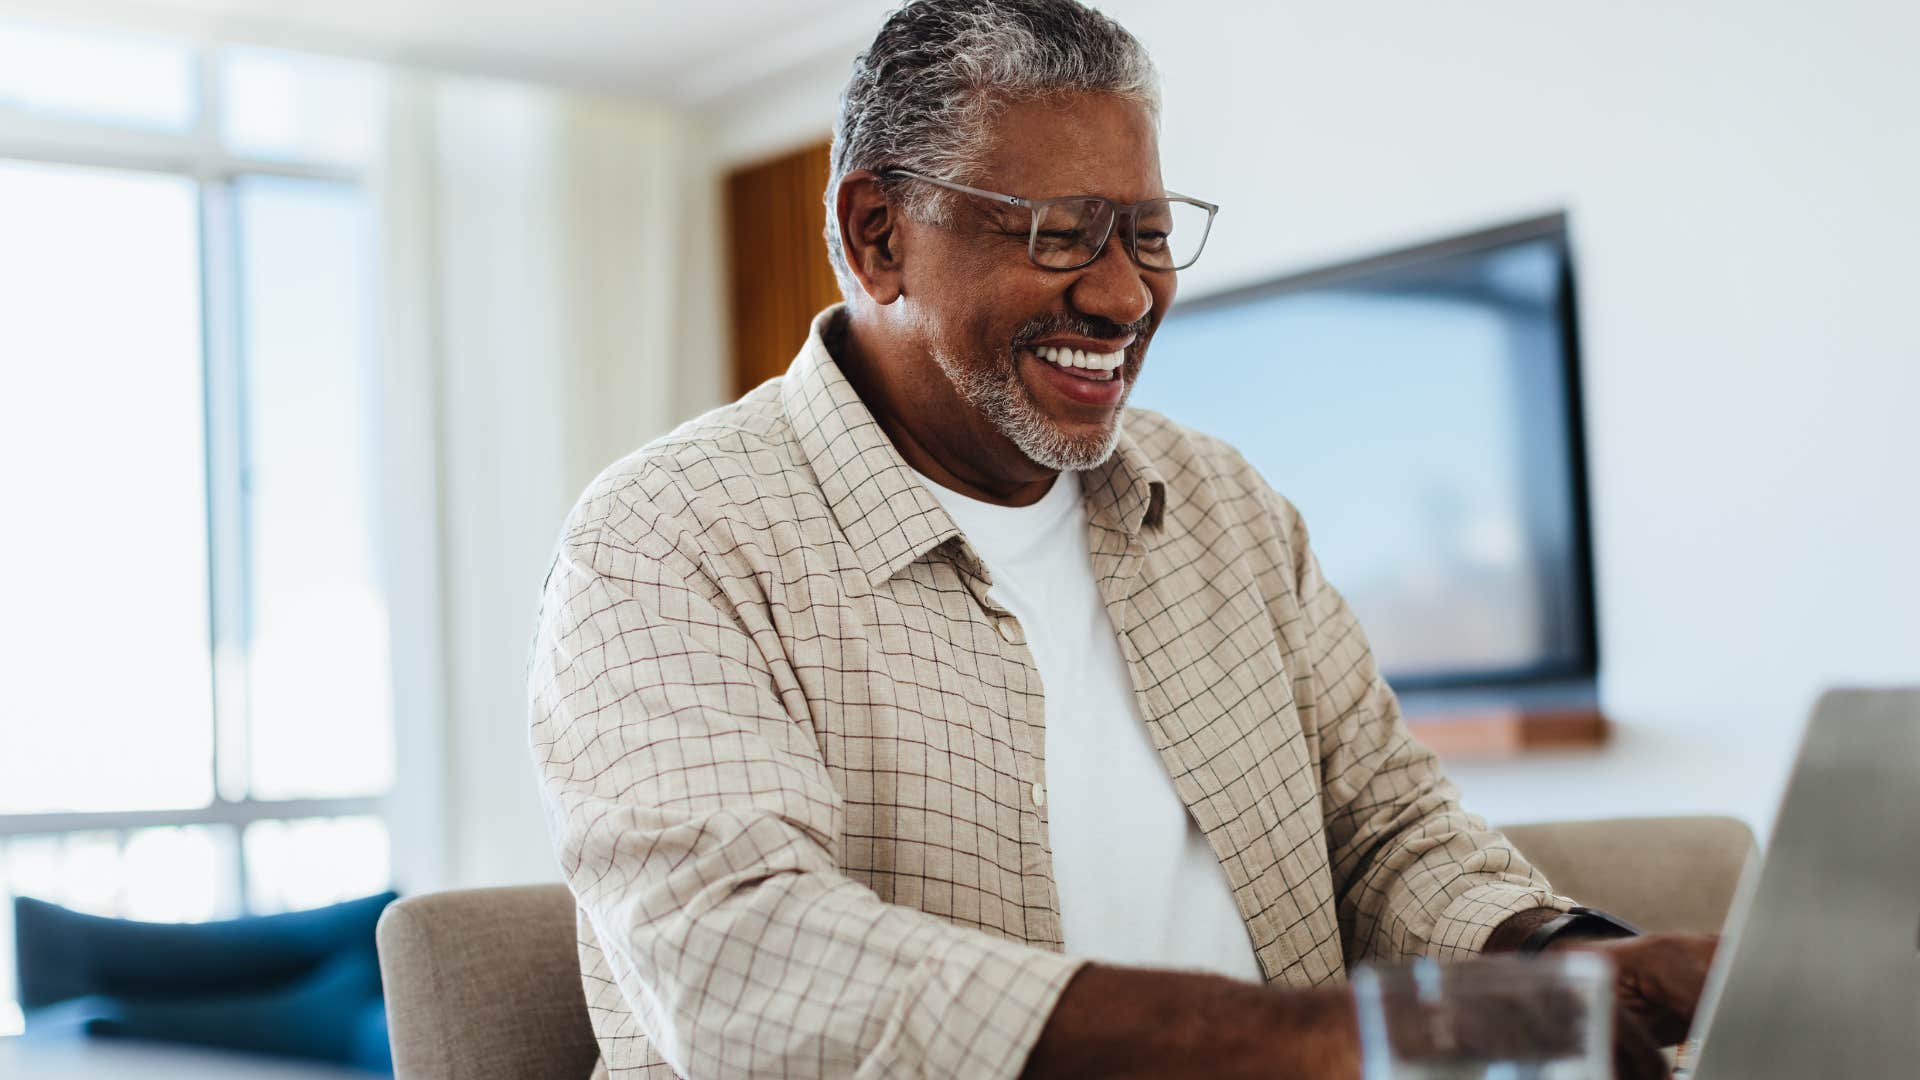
(996, 196)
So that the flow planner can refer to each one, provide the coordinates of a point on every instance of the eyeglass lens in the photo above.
(1167, 233)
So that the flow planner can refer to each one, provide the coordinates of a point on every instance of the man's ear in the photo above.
(870, 236)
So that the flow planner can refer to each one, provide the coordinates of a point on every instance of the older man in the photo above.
(921, 712)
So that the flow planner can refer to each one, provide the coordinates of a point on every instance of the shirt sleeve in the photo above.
(696, 825)
(1414, 873)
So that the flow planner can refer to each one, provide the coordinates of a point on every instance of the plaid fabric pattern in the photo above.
(790, 748)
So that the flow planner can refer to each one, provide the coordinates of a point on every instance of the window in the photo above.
(105, 567)
(198, 720)
(80, 73)
(312, 582)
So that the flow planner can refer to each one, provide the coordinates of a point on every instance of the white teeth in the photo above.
(1076, 358)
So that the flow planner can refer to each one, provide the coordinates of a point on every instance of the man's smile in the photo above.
(1082, 379)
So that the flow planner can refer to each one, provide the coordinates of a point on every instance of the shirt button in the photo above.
(1010, 631)
(1039, 794)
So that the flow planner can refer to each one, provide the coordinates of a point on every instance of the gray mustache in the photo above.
(1093, 328)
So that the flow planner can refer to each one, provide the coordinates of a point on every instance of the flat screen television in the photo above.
(1422, 409)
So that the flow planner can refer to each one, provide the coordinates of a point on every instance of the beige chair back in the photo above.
(1673, 873)
(484, 984)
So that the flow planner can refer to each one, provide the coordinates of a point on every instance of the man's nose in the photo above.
(1111, 286)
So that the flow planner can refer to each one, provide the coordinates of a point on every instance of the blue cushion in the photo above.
(306, 983)
(64, 954)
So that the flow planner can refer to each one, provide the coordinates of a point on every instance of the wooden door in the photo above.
(778, 271)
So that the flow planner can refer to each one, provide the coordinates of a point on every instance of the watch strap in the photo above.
(1577, 920)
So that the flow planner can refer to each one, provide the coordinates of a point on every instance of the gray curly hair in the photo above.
(924, 94)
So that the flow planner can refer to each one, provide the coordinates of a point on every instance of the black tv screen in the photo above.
(1422, 409)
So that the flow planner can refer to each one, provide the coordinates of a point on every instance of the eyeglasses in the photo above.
(1070, 231)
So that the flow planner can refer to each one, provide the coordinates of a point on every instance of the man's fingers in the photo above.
(1635, 1056)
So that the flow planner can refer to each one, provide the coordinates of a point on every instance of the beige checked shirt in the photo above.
(792, 752)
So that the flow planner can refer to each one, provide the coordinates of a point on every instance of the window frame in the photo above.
(200, 156)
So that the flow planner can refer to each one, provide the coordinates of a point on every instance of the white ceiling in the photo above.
(681, 51)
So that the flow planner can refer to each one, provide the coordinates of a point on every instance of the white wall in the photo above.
(1741, 181)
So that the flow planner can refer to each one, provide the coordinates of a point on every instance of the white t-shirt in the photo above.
(1138, 884)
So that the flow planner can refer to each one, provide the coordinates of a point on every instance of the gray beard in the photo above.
(1003, 399)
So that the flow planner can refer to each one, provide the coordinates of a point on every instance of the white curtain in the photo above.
(538, 303)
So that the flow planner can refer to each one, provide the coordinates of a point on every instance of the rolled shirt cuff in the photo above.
(1462, 930)
(973, 1009)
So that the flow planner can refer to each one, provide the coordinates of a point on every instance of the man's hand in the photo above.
(1657, 977)
(1635, 1057)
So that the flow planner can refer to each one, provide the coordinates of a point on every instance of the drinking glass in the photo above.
(1497, 1018)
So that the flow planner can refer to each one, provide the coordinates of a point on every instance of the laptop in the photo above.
(1818, 974)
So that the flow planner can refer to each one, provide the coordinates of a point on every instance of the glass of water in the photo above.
(1505, 1017)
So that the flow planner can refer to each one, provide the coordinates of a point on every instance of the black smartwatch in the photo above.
(1582, 921)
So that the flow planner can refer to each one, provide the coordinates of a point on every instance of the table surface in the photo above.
(71, 1057)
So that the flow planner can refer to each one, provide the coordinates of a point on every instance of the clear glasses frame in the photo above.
(1111, 213)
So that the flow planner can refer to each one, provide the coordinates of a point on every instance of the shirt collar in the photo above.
(1126, 492)
(880, 504)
